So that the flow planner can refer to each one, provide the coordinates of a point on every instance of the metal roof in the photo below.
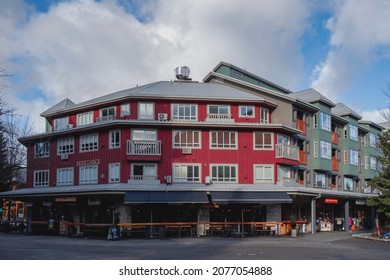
(311, 95)
(343, 110)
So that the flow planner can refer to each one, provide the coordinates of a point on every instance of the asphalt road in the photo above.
(321, 246)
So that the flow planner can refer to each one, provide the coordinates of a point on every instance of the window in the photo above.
(264, 140)
(326, 150)
(144, 134)
(264, 115)
(106, 112)
(319, 180)
(88, 174)
(184, 112)
(315, 148)
(283, 139)
(186, 139)
(264, 174)
(89, 142)
(325, 123)
(125, 110)
(373, 140)
(219, 109)
(224, 173)
(115, 139)
(223, 139)
(65, 146)
(353, 157)
(315, 121)
(353, 132)
(144, 171)
(186, 173)
(64, 176)
(284, 173)
(373, 164)
(348, 184)
(41, 149)
(365, 162)
(113, 172)
(61, 123)
(145, 111)
(84, 118)
(41, 178)
(247, 111)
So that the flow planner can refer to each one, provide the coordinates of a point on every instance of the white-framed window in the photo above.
(144, 171)
(114, 171)
(185, 112)
(42, 149)
(41, 178)
(88, 174)
(218, 109)
(144, 134)
(325, 122)
(264, 115)
(353, 157)
(106, 112)
(114, 139)
(284, 173)
(326, 150)
(353, 132)
(61, 123)
(186, 172)
(315, 148)
(186, 138)
(348, 184)
(146, 110)
(374, 140)
(65, 176)
(263, 140)
(65, 146)
(365, 162)
(223, 140)
(264, 174)
(85, 118)
(223, 173)
(247, 111)
(315, 121)
(319, 180)
(125, 110)
(373, 163)
(89, 142)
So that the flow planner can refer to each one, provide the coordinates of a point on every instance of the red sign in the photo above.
(331, 201)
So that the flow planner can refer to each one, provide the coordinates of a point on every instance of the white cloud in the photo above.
(360, 36)
(374, 116)
(83, 49)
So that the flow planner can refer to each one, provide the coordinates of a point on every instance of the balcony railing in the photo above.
(302, 157)
(287, 151)
(219, 118)
(301, 125)
(143, 148)
(106, 118)
(335, 165)
(143, 178)
(335, 139)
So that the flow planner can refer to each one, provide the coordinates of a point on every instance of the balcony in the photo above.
(106, 118)
(287, 152)
(143, 179)
(335, 165)
(301, 125)
(335, 138)
(302, 157)
(219, 118)
(144, 150)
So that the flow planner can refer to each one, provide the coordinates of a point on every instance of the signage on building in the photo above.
(331, 201)
(88, 162)
(360, 202)
(66, 199)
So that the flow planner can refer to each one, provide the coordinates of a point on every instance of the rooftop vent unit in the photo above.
(183, 73)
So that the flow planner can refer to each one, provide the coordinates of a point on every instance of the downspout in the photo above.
(313, 214)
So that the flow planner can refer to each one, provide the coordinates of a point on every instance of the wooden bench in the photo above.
(264, 229)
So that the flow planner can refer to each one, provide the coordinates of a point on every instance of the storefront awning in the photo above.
(165, 197)
(250, 197)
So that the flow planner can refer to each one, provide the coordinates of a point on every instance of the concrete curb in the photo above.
(370, 237)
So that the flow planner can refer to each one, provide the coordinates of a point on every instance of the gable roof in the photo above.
(343, 110)
(66, 103)
(311, 95)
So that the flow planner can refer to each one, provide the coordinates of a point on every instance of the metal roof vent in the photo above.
(183, 73)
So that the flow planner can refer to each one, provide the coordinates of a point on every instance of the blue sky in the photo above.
(80, 49)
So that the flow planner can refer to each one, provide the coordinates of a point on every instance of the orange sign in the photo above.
(331, 201)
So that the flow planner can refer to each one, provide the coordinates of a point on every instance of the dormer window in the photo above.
(107, 114)
(85, 118)
(61, 123)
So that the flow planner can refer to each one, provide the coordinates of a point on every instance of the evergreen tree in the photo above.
(382, 181)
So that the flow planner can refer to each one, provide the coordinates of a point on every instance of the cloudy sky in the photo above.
(79, 49)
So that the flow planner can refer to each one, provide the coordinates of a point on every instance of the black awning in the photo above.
(165, 197)
(250, 197)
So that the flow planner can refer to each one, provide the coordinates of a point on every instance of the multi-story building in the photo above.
(234, 147)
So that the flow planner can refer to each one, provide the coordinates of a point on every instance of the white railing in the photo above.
(106, 118)
(287, 151)
(226, 118)
(143, 178)
(143, 147)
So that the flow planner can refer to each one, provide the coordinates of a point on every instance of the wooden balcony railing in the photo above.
(301, 125)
